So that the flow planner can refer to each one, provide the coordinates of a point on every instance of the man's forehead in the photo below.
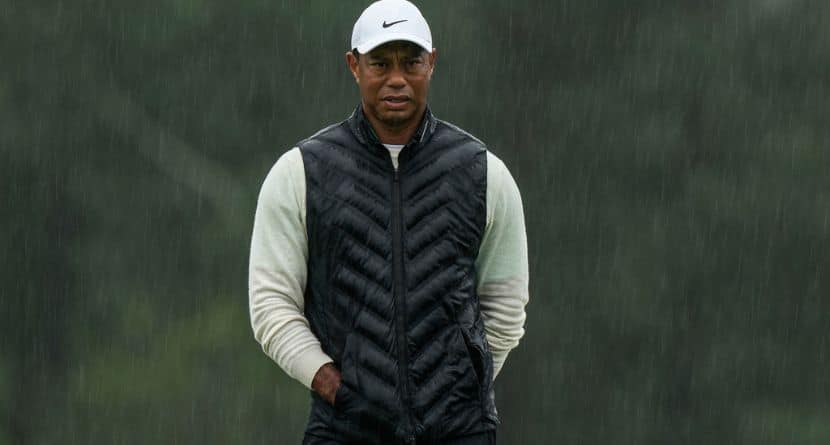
(395, 46)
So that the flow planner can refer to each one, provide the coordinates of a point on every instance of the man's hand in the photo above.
(326, 381)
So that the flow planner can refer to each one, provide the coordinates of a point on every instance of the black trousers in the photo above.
(488, 438)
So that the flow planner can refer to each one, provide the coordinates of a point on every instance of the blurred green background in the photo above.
(672, 155)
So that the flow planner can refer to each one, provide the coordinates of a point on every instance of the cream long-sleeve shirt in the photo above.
(279, 254)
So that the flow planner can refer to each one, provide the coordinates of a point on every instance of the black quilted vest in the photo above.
(391, 290)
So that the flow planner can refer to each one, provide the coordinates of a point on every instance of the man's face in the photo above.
(394, 82)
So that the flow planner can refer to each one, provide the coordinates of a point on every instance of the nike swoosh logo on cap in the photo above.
(386, 25)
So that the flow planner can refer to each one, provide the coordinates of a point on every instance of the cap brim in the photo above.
(386, 38)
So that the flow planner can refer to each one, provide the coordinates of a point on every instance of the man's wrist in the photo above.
(326, 382)
(305, 365)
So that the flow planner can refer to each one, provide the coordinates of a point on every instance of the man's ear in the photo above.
(433, 56)
(352, 63)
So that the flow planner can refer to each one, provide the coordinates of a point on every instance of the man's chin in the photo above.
(397, 118)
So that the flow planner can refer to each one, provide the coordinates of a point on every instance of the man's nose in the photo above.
(396, 76)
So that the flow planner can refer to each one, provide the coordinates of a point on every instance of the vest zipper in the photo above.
(400, 303)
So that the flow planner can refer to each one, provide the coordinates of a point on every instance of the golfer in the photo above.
(388, 265)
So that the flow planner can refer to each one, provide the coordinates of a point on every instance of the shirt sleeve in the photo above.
(277, 272)
(502, 264)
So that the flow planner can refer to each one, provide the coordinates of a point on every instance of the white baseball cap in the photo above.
(388, 20)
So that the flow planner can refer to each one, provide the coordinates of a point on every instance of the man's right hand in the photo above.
(326, 382)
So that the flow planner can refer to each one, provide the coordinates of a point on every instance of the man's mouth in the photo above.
(396, 101)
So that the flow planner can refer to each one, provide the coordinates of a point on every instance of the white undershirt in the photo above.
(394, 151)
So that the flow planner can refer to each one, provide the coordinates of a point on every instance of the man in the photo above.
(388, 268)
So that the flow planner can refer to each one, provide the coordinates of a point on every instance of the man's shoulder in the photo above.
(496, 168)
(444, 129)
(333, 133)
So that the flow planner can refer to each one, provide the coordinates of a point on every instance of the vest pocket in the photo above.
(349, 404)
(476, 356)
(351, 407)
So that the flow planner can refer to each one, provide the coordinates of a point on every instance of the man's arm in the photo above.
(277, 274)
(502, 264)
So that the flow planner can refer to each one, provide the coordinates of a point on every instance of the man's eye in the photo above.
(378, 64)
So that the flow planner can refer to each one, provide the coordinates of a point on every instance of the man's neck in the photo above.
(395, 135)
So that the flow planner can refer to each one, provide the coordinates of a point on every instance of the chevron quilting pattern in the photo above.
(349, 217)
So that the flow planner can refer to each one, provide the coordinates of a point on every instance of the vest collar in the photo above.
(363, 131)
